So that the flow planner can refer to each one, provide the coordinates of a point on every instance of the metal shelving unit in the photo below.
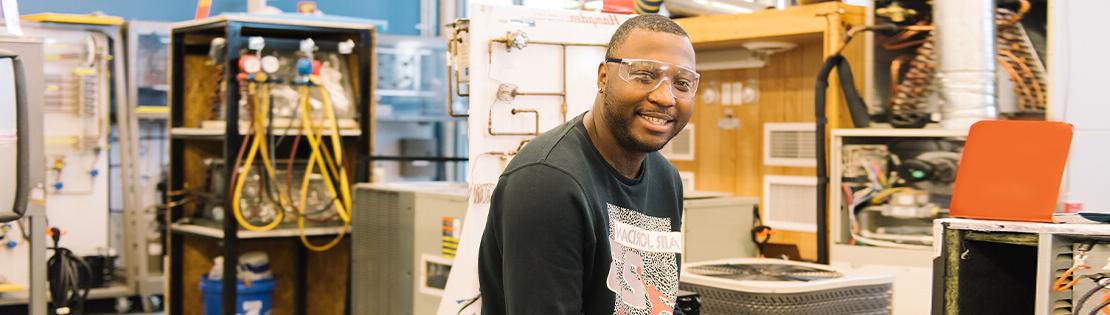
(236, 29)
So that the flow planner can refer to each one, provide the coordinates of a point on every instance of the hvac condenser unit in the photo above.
(403, 242)
(781, 287)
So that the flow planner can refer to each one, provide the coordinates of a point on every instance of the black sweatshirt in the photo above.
(568, 234)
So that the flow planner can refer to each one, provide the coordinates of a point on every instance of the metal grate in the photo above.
(764, 272)
(789, 202)
(789, 144)
(858, 300)
(373, 245)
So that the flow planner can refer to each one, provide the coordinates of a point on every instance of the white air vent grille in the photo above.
(681, 147)
(789, 144)
(790, 202)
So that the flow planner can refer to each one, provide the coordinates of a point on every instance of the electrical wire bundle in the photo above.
(69, 278)
(1101, 283)
(1067, 280)
(879, 188)
(328, 160)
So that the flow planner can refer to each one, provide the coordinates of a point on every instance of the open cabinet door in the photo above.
(14, 173)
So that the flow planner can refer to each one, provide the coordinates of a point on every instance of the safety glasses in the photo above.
(647, 75)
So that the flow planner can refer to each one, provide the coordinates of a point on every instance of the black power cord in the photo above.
(1099, 308)
(1101, 281)
(69, 278)
(1083, 300)
(761, 234)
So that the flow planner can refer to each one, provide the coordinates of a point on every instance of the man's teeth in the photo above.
(654, 120)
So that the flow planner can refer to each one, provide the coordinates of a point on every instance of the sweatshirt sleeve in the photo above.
(532, 256)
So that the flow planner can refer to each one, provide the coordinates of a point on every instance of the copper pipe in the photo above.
(912, 89)
(1018, 58)
(536, 132)
(507, 154)
(505, 41)
(453, 74)
(563, 46)
(1020, 88)
(450, 95)
(904, 44)
(522, 144)
(895, 69)
(563, 106)
(1036, 95)
(1025, 6)
(539, 94)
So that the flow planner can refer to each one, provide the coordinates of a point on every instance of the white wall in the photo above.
(1077, 65)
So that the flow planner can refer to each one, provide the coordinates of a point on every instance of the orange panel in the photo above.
(1011, 170)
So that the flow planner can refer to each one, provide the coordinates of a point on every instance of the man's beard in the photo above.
(621, 126)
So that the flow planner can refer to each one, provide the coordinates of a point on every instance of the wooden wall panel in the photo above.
(327, 278)
(732, 160)
(200, 90)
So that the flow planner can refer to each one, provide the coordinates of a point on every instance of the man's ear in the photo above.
(602, 73)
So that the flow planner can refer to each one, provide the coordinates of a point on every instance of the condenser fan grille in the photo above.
(764, 272)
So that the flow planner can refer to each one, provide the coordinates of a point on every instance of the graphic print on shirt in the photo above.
(644, 272)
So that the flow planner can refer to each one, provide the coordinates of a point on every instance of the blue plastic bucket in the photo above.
(257, 299)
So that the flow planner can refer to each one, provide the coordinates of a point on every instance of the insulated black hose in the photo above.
(69, 278)
(858, 110)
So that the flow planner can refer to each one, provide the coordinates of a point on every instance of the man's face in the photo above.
(644, 121)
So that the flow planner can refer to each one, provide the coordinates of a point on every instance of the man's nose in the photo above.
(663, 94)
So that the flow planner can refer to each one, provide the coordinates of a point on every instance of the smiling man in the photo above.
(585, 220)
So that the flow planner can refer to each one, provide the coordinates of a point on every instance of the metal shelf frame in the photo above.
(236, 30)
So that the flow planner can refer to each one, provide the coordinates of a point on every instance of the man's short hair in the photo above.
(651, 22)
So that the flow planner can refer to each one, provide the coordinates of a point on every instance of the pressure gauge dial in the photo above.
(270, 64)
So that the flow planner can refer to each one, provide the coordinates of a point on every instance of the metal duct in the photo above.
(710, 7)
(966, 61)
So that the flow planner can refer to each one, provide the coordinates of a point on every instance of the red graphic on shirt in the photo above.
(660, 302)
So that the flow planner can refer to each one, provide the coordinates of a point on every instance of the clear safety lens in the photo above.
(648, 75)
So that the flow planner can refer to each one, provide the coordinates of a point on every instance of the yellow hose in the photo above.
(260, 125)
(257, 142)
(330, 165)
(345, 188)
(316, 157)
(341, 204)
